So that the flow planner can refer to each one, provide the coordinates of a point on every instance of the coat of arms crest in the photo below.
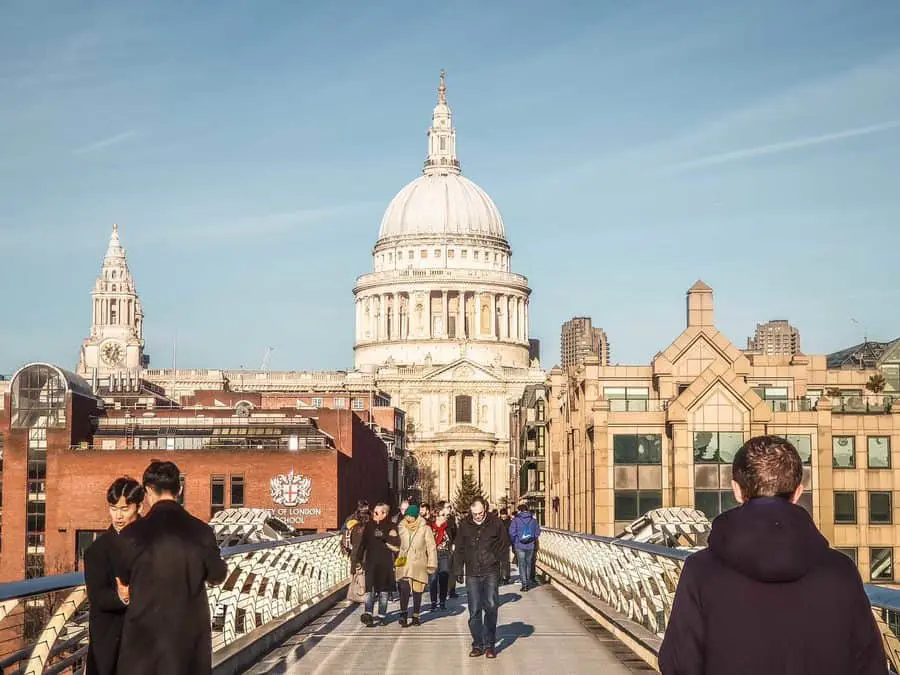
(291, 489)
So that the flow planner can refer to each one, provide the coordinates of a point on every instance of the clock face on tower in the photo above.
(112, 353)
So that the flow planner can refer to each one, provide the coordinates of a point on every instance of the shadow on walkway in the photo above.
(508, 634)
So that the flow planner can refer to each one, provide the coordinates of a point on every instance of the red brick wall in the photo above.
(365, 476)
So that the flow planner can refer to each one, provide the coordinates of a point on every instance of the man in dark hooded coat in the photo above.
(166, 559)
(768, 596)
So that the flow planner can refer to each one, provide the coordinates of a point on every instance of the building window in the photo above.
(464, 409)
(845, 508)
(843, 451)
(237, 492)
(474, 255)
(437, 253)
(423, 253)
(881, 564)
(637, 449)
(849, 552)
(450, 253)
(879, 448)
(880, 508)
(317, 402)
(627, 399)
(716, 447)
(340, 403)
(714, 502)
(216, 495)
(803, 445)
(463, 253)
(358, 404)
(632, 504)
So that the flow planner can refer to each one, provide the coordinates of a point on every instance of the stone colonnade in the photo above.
(452, 463)
(447, 314)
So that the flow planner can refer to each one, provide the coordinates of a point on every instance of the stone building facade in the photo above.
(627, 439)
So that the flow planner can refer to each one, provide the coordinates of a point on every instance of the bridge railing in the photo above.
(44, 621)
(637, 581)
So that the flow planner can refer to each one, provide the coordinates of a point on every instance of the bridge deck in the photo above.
(538, 632)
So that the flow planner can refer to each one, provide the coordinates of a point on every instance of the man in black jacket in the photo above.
(769, 595)
(166, 559)
(482, 545)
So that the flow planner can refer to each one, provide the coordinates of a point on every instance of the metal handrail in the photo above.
(16, 590)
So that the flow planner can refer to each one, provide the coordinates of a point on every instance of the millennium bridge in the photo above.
(602, 607)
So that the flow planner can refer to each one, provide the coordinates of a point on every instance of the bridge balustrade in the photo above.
(44, 622)
(629, 588)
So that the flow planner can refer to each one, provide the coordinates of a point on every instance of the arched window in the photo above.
(464, 409)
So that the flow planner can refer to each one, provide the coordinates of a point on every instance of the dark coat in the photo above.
(376, 556)
(107, 611)
(481, 550)
(166, 559)
(769, 596)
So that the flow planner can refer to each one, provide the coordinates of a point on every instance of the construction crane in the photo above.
(265, 361)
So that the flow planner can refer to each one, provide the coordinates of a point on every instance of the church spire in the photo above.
(114, 251)
(441, 158)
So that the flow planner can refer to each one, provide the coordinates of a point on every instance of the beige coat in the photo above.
(418, 547)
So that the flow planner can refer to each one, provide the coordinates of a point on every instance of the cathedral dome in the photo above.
(442, 204)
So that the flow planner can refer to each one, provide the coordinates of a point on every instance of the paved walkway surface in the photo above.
(538, 632)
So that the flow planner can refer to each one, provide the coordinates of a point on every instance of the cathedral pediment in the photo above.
(462, 370)
(469, 432)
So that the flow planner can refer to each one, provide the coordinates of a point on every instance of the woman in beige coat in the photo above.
(416, 562)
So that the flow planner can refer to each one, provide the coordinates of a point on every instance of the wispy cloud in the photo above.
(214, 230)
(787, 146)
(106, 142)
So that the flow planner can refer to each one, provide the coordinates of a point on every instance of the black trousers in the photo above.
(440, 583)
(405, 592)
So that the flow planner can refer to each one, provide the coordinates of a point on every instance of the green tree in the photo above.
(468, 491)
(876, 383)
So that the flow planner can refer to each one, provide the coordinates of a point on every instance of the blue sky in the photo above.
(247, 151)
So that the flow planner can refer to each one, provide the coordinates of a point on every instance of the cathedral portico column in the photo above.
(522, 326)
(493, 298)
(395, 323)
(459, 467)
(526, 320)
(443, 470)
(477, 456)
(490, 472)
(445, 316)
(461, 314)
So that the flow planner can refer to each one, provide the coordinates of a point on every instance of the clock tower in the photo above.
(116, 342)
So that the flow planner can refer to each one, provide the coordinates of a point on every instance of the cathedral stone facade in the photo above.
(441, 326)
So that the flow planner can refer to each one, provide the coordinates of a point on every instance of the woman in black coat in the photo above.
(109, 599)
(375, 552)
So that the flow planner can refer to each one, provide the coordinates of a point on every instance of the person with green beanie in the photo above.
(415, 564)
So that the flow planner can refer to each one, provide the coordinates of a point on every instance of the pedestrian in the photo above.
(482, 543)
(453, 521)
(506, 575)
(108, 598)
(768, 595)
(397, 517)
(443, 541)
(415, 564)
(166, 559)
(375, 553)
(356, 591)
(425, 512)
(524, 532)
(361, 506)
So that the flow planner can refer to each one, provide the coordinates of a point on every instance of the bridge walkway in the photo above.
(538, 632)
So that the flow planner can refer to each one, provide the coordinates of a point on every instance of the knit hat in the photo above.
(412, 511)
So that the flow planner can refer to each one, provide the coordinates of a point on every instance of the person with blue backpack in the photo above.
(524, 532)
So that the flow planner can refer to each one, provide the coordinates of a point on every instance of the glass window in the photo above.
(806, 501)
(631, 504)
(714, 502)
(881, 564)
(845, 507)
(317, 402)
(358, 404)
(717, 447)
(849, 552)
(464, 409)
(216, 494)
(803, 443)
(340, 403)
(843, 451)
(637, 449)
(879, 448)
(237, 492)
(83, 540)
(880, 508)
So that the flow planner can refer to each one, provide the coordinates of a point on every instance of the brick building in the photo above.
(63, 445)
